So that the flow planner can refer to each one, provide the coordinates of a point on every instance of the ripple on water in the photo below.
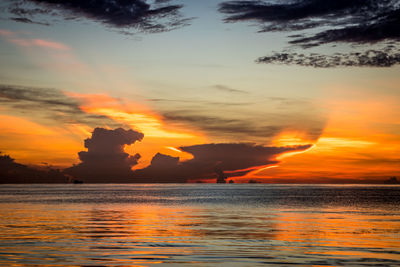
(202, 225)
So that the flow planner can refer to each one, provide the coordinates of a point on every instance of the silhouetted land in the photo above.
(13, 172)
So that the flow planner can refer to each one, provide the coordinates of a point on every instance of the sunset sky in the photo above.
(321, 77)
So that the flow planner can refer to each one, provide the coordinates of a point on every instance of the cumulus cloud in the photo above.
(48, 105)
(105, 159)
(140, 15)
(314, 23)
(211, 160)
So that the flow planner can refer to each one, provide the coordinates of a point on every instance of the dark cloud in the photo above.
(210, 161)
(224, 127)
(253, 118)
(248, 117)
(26, 20)
(324, 22)
(370, 58)
(106, 160)
(125, 15)
(237, 123)
(12, 172)
(358, 21)
(162, 169)
(48, 105)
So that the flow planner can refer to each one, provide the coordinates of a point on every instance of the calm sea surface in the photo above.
(199, 225)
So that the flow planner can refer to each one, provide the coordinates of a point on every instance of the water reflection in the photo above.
(199, 234)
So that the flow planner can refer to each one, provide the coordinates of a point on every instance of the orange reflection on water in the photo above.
(131, 235)
(143, 225)
(340, 233)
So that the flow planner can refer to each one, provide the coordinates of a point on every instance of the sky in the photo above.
(275, 91)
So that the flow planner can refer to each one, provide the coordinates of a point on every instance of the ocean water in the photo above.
(199, 225)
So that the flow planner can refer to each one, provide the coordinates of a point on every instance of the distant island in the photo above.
(12, 172)
(392, 180)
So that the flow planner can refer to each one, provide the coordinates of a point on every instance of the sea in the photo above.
(199, 225)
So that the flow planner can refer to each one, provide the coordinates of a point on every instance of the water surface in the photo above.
(199, 225)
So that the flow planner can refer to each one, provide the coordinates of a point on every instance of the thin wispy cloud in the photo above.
(228, 89)
(49, 106)
(258, 119)
(23, 41)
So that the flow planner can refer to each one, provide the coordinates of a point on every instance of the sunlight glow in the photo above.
(147, 124)
(289, 154)
(174, 149)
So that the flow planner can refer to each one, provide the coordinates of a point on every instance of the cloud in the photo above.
(140, 15)
(228, 89)
(390, 56)
(49, 44)
(20, 40)
(314, 23)
(356, 21)
(210, 160)
(219, 126)
(49, 105)
(29, 21)
(259, 121)
(106, 160)
(5, 33)
(12, 172)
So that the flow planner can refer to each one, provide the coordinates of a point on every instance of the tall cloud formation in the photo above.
(329, 21)
(210, 160)
(106, 160)
(140, 15)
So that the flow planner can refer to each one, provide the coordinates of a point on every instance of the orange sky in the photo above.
(33, 143)
(357, 142)
(360, 142)
(200, 83)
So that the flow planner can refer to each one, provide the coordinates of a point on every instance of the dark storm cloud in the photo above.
(106, 160)
(140, 15)
(48, 104)
(210, 160)
(370, 58)
(325, 22)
